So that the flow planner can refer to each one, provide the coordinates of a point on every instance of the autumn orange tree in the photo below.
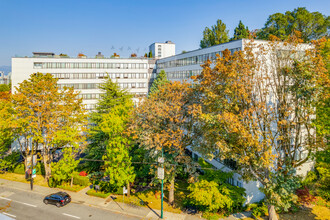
(47, 118)
(160, 123)
(256, 107)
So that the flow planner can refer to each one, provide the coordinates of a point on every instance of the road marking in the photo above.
(9, 214)
(71, 216)
(18, 202)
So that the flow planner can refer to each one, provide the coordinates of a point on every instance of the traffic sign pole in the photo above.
(32, 174)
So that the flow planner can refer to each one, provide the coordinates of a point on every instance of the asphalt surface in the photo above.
(18, 204)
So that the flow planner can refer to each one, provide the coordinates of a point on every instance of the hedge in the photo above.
(92, 192)
(80, 180)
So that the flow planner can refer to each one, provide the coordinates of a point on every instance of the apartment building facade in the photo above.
(86, 74)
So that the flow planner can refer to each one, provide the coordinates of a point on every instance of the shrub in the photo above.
(80, 180)
(51, 182)
(40, 168)
(82, 173)
(259, 211)
(19, 169)
(304, 196)
(92, 192)
(207, 196)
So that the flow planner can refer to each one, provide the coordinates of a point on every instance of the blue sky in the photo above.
(89, 26)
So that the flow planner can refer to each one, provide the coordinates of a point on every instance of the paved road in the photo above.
(19, 204)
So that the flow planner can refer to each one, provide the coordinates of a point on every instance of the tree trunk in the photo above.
(128, 189)
(47, 167)
(272, 213)
(171, 193)
(71, 181)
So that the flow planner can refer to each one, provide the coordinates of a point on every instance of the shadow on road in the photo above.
(114, 199)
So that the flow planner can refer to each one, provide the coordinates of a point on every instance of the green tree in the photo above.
(117, 158)
(218, 34)
(150, 54)
(63, 170)
(241, 31)
(312, 25)
(160, 80)
(47, 117)
(112, 96)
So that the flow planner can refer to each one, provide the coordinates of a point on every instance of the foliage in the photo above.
(113, 96)
(83, 173)
(260, 210)
(261, 115)
(4, 88)
(159, 123)
(304, 196)
(92, 192)
(9, 161)
(160, 81)
(312, 25)
(19, 168)
(215, 35)
(73, 188)
(46, 117)
(235, 194)
(241, 31)
(80, 180)
(207, 196)
(117, 159)
(150, 54)
(6, 126)
(280, 191)
(63, 170)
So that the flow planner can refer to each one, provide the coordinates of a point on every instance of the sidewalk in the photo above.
(82, 198)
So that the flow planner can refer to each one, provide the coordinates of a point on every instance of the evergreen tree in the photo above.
(150, 54)
(241, 31)
(160, 80)
(113, 96)
(218, 34)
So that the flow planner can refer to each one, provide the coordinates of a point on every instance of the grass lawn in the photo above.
(39, 180)
(152, 198)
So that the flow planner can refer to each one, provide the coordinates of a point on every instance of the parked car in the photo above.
(59, 199)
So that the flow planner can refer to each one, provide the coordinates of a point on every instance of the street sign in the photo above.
(34, 171)
(160, 173)
(34, 160)
(160, 159)
(28, 161)
(124, 190)
(34, 175)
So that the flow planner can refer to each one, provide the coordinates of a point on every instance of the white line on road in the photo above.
(14, 216)
(18, 202)
(71, 216)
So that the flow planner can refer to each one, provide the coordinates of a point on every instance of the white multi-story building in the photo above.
(162, 50)
(182, 66)
(86, 74)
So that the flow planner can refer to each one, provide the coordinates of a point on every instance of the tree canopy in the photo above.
(312, 25)
(215, 35)
(241, 31)
(160, 80)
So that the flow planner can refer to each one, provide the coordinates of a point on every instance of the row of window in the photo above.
(103, 75)
(90, 96)
(62, 65)
(183, 74)
(97, 85)
(192, 60)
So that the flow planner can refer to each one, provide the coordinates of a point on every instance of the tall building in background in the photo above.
(4, 79)
(162, 50)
